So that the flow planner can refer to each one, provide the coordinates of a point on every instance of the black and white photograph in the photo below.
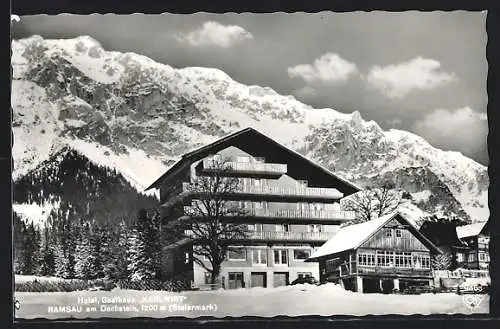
(231, 165)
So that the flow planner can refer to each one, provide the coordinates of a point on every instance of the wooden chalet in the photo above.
(381, 255)
(477, 238)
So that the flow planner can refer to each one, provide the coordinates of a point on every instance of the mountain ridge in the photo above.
(138, 111)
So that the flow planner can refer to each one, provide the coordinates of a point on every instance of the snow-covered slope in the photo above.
(69, 184)
(126, 111)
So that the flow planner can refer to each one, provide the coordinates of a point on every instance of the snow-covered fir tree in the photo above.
(19, 228)
(83, 266)
(117, 267)
(442, 261)
(47, 255)
(144, 247)
(30, 253)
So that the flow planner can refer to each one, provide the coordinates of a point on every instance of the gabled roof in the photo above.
(466, 231)
(353, 236)
(442, 233)
(258, 144)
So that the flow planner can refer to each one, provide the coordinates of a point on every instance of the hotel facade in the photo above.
(292, 207)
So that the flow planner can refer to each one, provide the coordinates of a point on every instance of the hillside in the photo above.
(128, 113)
(68, 184)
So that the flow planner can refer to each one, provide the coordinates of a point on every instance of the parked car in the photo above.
(474, 286)
(305, 279)
(416, 290)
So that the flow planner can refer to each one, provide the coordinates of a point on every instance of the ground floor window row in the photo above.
(234, 280)
(383, 285)
(394, 259)
(264, 256)
(473, 256)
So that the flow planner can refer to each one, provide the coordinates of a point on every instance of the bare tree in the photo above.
(373, 203)
(387, 199)
(207, 218)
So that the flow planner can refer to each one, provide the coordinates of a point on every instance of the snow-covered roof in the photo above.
(351, 237)
(179, 243)
(470, 230)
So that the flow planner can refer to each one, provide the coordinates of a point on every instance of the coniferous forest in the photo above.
(99, 228)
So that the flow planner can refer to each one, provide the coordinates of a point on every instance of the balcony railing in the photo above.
(281, 191)
(294, 236)
(282, 236)
(249, 167)
(291, 213)
(296, 213)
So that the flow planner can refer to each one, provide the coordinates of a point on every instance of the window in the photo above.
(399, 233)
(245, 205)
(460, 257)
(302, 206)
(426, 262)
(421, 261)
(398, 259)
(246, 182)
(280, 257)
(385, 258)
(366, 259)
(259, 256)
(472, 257)
(402, 259)
(283, 228)
(331, 265)
(301, 254)
(483, 257)
(208, 278)
(255, 227)
(315, 228)
(388, 232)
(236, 254)
(186, 257)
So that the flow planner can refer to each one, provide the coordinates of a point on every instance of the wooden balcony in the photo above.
(283, 236)
(325, 215)
(305, 214)
(289, 236)
(276, 192)
(395, 271)
(246, 167)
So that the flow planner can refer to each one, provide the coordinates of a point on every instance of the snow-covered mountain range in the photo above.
(129, 113)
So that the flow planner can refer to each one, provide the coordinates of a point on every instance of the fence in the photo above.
(461, 273)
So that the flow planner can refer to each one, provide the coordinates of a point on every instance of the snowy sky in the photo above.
(422, 72)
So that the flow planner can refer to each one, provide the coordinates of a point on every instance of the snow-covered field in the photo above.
(325, 300)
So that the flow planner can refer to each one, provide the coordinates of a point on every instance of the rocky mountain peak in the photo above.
(133, 114)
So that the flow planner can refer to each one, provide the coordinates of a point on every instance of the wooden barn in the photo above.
(382, 255)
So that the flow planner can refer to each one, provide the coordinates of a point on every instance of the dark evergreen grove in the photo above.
(101, 227)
